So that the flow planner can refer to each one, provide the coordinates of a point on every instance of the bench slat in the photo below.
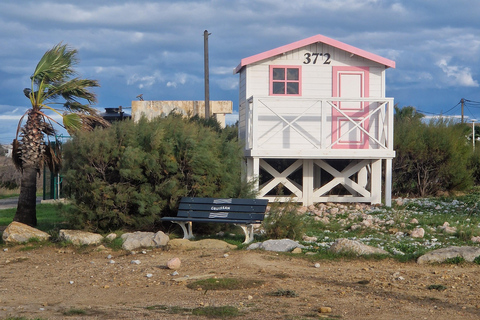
(222, 207)
(220, 215)
(214, 220)
(216, 201)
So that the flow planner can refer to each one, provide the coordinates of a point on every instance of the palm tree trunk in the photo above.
(27, 201)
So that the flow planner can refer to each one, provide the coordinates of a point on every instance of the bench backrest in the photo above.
(213, 208)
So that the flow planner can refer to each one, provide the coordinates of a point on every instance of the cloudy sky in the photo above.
(155, 48)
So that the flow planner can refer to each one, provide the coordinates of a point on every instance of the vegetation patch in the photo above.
(438, 287)
(75, 312)
(225, 284)
(283, 293)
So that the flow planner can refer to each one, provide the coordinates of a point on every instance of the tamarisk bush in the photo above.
(131, 174)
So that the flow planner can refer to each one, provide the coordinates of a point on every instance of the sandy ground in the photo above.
(48, 282)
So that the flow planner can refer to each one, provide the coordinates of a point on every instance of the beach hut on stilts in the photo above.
(315, 123)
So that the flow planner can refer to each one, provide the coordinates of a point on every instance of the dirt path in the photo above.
(47, 282)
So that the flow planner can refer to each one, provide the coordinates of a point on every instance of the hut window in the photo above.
(285, 80)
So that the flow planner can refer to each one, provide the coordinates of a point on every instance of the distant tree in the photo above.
(430, 157)
(52, 79)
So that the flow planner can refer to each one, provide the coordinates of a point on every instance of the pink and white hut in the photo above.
(315, 123)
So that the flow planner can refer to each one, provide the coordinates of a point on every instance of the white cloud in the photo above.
(145, 81)
(461, 76)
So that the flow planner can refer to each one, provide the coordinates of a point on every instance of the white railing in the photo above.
(298, 124)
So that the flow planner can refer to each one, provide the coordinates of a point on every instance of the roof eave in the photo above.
(318, 38)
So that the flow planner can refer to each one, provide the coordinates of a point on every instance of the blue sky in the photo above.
(155, 48)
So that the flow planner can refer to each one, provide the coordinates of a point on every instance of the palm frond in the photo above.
(55, 65)
(73, 90)
(76, 121)
(72, 122)
(16, 155)
(53, 157)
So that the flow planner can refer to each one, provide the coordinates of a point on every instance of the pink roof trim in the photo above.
(305, 42)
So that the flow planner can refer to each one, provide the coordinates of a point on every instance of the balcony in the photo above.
(319, 128)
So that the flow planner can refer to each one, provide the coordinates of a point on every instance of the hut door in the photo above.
(349, 116)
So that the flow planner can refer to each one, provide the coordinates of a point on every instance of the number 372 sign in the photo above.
(313, 58)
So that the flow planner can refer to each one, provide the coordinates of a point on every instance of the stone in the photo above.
(283, 245)
(174, 264)
(358, 248)
(111, 237)
(309, 239)
(325, 310)
(297, 250)
(440, 255)
(78, 237)
(140, 239)
(414, 221)
(209, 244)
(17, 232)
(475, 239)
(417, 233)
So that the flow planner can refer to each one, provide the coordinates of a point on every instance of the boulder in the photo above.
(440, 255)
(358, 248)
(139, 239)
(78, 237)
(283, 245)
(418, 233)
(17, 232)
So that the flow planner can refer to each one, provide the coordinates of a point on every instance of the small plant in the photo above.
(74, 312)
(455, 260)
(284, 293)
(283, 221)
(476, 260)
(439, 287)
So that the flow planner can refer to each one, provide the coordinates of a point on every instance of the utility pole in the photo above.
(463, 102)
(207, 80)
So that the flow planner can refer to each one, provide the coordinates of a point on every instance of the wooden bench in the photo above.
(242, 212)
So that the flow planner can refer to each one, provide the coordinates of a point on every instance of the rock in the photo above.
(317, 265)
(475, 239)
(111, 237)
(174, 264)
(135, 262)
(418, 233)
(440, 255)
(414, 221)
(141, 239)
(297, 250)
(78, 237)
(210, 244)
(17, 232)
(447, 229)
(284, 245)
(309, 239)
(358, 248)
(325, 310)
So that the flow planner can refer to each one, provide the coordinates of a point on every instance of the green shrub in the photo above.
(283, 221)
(431, 158)
(132, 174)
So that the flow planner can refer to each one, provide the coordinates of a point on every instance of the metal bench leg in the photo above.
(187, 230)
(248, 230)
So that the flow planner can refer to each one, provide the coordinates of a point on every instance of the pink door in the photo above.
(350, 82)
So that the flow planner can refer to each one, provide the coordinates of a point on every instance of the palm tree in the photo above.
(32, 148)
